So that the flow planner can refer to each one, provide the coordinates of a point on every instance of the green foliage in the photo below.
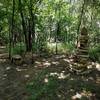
(62, 47)
(34, 47)
(94, 53)
(70, 47)
(49, 90)
(39, 89)
(19, 49)
(47, 13)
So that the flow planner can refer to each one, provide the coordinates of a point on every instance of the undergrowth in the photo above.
(94, 53)
(39, 89)
(59, 89)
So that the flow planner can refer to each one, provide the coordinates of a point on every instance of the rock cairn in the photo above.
(82, 50)
(80, 60)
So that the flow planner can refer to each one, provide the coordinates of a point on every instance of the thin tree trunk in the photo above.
(23, 25)
(9, 39)
(31, 35)
(12, 28)
(57, 33)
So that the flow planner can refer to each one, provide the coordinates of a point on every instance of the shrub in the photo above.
(39, 89)
(94, 53)
(62, 47)
(19, 48)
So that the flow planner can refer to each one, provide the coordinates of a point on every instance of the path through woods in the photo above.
(12, 85)
(13, 78)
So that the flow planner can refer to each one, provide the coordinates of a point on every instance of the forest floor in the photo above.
(69, 86)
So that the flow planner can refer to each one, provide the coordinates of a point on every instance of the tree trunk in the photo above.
(33, 21)
(30, 36)
(23, 25)
(12, 27)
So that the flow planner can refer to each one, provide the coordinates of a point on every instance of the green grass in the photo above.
(19, 48)
(94, 53)
(50, 90)
(61, 47)
(39, 89)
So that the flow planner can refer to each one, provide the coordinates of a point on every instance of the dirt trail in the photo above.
(13, 79)
(12, 84)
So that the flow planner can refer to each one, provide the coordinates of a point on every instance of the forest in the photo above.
(49, 49)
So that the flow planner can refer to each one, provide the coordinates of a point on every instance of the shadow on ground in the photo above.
(48, 78)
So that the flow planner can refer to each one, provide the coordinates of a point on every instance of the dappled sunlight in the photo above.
(46, 80)
(71, 79)
(46, 64)
(67, 83)
(77, 87)
(20, 69)
(26, 76)
(37, 62)
(60, 56)
(8, 68)
(62, 76)
(98, 66)
(54, 74)
(49, 50)
(94, 65)
(44, 59)
(67, 60)
(89, 79)
(43, 63)
(2, 47)
(70, 65)
(98, 80)
(5, 75)
(55, 62)
(36, 66)
(50, 62)
(2, 60)
(76, 96)
(89, 66)
(84, 94)
(59, 75)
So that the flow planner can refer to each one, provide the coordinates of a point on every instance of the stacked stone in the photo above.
(82, 51)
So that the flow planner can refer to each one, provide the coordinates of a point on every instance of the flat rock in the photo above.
(16, 57)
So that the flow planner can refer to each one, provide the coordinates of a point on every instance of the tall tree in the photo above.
(23, 24)
(12, 30)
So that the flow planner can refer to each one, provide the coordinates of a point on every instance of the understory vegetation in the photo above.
(51, 47)
(53, 85)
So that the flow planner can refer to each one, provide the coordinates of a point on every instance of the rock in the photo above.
(82, 51)
(17, 59)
